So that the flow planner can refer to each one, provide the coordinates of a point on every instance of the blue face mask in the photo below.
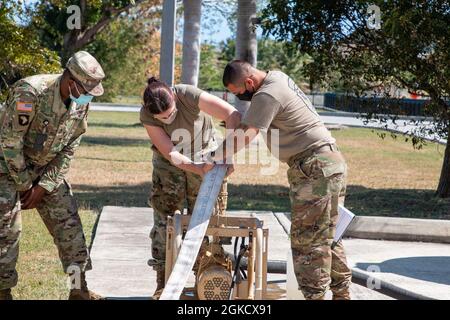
(83, 99)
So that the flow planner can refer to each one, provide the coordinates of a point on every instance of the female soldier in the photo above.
(179, 124)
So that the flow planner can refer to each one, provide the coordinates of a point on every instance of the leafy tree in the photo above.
(128, 61)
(410, 49)
(226, 9)
(211, 68)
(273, 55)
(122, 34)
(21, 54)
(128, 50)
(51, 17)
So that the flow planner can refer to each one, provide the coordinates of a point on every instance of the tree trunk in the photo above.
(246, 44)
(443, 189)
(191, 41)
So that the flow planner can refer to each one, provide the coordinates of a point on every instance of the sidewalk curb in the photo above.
(284, 221)
(387, 228)
(114, 107)
(375, 223)
(369, 276)
(110, 104)
(400, 229)
(340, 113)
(443, 142)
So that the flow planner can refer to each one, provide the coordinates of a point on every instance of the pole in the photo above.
(167, 58)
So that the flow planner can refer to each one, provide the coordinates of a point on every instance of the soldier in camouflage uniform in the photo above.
(317, 172)
(317, 182)
(40, 128)
(167, 114)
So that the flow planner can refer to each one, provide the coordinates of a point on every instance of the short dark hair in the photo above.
(158, 97)
(235, 71)
(66, 74)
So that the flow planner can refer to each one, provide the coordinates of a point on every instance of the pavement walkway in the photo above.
(400, 126)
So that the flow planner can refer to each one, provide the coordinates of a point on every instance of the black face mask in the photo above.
(67, 102)
(246, 96)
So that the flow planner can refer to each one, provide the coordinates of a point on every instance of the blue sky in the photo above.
(220, 33)
(217, 33)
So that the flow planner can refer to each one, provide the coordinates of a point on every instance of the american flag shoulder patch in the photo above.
(24, 106)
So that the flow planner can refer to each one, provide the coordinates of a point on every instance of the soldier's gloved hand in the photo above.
(31, 198)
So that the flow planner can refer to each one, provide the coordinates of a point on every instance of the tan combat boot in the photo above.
(84, 293)
(341, 297)
(160, 283)
(5, 294)
(342, 294)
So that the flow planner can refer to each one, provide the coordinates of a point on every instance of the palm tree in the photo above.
(246, 44)
(191, 41)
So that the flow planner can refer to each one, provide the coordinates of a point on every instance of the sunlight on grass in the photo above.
(39, 268)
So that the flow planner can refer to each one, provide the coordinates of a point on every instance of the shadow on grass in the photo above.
(115, 160)
(114, 125)
(360, 200)
(109, 141)
(406, 203)
(258, 197)
(95, 198)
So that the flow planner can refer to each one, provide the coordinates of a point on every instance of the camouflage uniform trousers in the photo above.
(59, 212)
(317, 185)
(172, 189)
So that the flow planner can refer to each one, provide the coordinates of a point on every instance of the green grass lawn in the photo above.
(113, 167)
(127, 99)
(386, 177)
(39, 268)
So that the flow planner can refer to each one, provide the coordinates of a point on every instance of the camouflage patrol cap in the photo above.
(86, 69)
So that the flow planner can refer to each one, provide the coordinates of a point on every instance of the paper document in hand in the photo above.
(345, 217)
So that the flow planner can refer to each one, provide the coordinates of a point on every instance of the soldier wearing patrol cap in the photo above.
(40, 128)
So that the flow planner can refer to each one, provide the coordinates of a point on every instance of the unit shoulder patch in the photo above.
(24, 119)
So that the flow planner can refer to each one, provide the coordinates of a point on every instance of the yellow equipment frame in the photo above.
(255, 286)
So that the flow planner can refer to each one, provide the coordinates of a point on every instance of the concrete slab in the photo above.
(390, 228)
(418, 270)
(403, 229)
(122, 247)
(359, 292)
(120, 252)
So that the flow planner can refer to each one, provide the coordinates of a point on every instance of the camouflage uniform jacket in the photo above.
(38, 133)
